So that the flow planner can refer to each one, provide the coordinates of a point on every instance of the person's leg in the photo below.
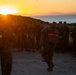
(50, 56)
(44, 55)
(47, 56)
(6, 63)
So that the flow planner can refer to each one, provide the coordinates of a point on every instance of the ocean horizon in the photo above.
(57, 18)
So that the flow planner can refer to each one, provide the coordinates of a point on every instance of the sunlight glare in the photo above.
(5, 10)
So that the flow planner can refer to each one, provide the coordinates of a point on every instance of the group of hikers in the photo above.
(33, 34)
(43, 38)
(52, 38)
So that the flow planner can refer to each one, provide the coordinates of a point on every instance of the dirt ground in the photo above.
(30, 63)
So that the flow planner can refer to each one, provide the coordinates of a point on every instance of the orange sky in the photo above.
(41, 7)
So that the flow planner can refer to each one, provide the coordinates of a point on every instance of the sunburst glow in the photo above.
(5, 10)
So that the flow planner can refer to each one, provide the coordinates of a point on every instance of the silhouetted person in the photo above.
(6, 41)
(49, 39)
(73, 35)
(65, 37)
(60, 44)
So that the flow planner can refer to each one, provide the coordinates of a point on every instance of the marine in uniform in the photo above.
(49, 39)
(6, 40)
(73, 35)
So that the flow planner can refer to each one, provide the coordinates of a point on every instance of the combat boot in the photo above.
(50, 68)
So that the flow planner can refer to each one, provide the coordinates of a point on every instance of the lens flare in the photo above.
(5, 10)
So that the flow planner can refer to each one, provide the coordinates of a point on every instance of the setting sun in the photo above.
(5, 10)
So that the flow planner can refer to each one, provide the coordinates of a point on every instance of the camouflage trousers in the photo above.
(6, 62)
(47, 54)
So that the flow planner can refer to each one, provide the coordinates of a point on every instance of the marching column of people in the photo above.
(33, 33)
(53, 37)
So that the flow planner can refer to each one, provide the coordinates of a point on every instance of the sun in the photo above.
(5, 10)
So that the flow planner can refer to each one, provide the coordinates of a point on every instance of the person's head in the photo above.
(65, 23)
(60, 22)
(54, 24)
